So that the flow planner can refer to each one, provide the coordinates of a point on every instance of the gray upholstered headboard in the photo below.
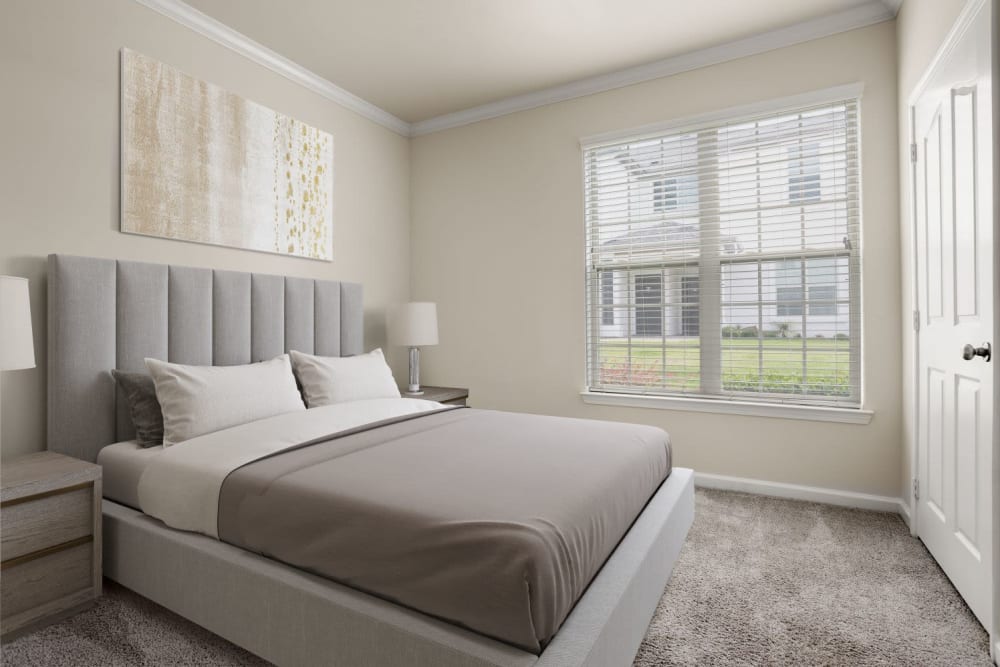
(106, 314)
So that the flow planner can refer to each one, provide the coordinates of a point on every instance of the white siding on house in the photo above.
(812, 191)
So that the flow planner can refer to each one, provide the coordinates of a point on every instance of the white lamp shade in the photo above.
(413, 324)
(17, 348)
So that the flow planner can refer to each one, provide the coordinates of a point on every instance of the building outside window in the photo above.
(732, 250)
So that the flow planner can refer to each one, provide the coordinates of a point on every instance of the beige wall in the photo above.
(497, 241)
(497, 237)
(59, 168)
(921, 27)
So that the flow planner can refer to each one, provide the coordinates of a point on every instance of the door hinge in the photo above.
(916, 489)
(916, 320)
(913, 152)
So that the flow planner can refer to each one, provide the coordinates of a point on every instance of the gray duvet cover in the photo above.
(494, 521)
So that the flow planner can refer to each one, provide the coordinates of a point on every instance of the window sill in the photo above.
(747, 408)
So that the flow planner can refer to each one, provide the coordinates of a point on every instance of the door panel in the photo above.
(965, 219)
(953, 202)
(933, 248)
(935, 413)
(967, 442)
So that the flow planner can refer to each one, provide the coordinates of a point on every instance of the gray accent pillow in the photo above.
(147, 416)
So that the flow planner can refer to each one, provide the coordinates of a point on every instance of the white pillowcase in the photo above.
(329, 380)
(202, 399)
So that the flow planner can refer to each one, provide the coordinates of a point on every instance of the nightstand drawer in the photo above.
(32, 524)
(50, 542)
(37, 583)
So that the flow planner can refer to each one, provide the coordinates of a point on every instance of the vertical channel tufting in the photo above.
(267, 316)
(230, 318)
(104, 314)
(327, 318)
(299, 315)
(190, 316)
(81, 354)
(352, 327)
(142, 325)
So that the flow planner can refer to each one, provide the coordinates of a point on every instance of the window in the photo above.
(788, 289)
(608, 298)
(665, 194)
(689, 311)
(735, 250)
(804, 180)
(679, 192)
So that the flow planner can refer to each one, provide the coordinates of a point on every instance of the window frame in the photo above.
(751, 402)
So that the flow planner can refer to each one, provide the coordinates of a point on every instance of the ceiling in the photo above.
(419, 59)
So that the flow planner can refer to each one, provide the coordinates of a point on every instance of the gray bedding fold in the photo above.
(493, 521)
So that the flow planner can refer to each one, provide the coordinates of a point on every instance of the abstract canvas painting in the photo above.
(202, 164)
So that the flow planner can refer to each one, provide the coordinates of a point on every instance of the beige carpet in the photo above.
(760, 581)
(764, 581)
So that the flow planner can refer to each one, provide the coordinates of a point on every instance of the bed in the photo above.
(106, 314)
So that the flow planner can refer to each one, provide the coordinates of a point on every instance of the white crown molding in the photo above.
(860, 16)
(205, 25)
(812, 494)
(872, 12)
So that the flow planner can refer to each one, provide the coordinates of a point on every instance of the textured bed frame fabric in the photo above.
(294, 618)
(106, 314)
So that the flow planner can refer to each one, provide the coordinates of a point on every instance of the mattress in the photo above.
(123, 464)
(494, 521)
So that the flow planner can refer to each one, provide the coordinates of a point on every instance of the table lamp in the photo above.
(413, 325)
(17, 349)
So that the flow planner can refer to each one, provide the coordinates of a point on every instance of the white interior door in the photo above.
(952, 128)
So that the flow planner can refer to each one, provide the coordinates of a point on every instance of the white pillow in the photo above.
(202, 399)
(329, 380)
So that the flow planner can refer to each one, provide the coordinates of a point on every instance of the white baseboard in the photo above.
(904, 510)
(798, 492)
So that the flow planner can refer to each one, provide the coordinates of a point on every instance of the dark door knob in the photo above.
(986, 352)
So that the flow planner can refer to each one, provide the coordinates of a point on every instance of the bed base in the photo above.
(294, 618)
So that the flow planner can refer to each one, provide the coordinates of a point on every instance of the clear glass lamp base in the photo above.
(414, 387)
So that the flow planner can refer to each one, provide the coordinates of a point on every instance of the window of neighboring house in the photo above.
(689, 305)
(788, 289)
(820, 288)
(665, 194)
(789, 302)
(822, 285)
(677, 192)
(804, 177)
(608, 297)
(649, 305)
(749, 286)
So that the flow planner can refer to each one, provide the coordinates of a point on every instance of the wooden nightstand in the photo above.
(50, 539)
(446, 395)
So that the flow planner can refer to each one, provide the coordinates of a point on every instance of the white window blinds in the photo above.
(723, 260)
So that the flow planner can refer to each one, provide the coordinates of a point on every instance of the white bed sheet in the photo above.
(181, 485)
(124, 463)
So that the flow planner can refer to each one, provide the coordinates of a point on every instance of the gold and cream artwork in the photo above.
(202, 164)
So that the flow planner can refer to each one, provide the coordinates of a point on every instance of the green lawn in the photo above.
(782, 365)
